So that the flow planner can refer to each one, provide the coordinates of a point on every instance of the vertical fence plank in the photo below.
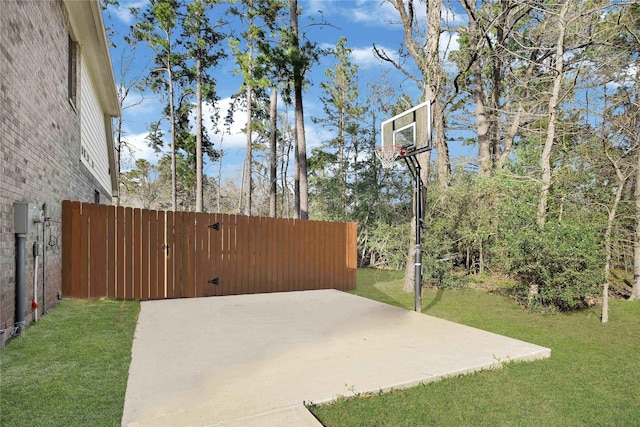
(303, 255)
(237, 254)
(268, 246)
(294, 250)
(292, 274)
(153, 250)
(82, 286)
(178, 243)
(189, 264)
(300, 267)
(120, 252)
(223, 273)
(250, 260)
(322, 260)
(234, 257)
(144, 253)
(312, 254)
(328, 260)
(283, 255)
(240, 254)
(198, 249)
(342, 260)
(203, 256)
(262, 251)
(128, 291)
(231, 257)
(71, 247)
(335, 254)
(188, 271)
(286, 259)
(300, 255)
(336, 244)
(137, 254)
(352, 265)
(314, 249)
(97, 250)
(253, 230)
(214, 266)
(161, 258)
(170, 257)
(111, 252)
(291, 278)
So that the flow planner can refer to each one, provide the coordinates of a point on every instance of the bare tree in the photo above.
(273, 158)
(128, 81)
(552, 112)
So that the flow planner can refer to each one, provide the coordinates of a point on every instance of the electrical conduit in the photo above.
(34, 302)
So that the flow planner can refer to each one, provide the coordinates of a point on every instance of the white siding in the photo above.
(94, 154)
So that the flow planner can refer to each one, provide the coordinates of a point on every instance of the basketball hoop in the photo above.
(387, 154)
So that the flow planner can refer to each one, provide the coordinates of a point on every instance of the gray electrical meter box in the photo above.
(25, 217)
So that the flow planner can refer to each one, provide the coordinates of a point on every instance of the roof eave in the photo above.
(87, 27)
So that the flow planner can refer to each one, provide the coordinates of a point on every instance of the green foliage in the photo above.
(564, 261)
(387, 245)
(437, 266)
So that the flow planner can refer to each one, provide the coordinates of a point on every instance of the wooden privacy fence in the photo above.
(139, 254)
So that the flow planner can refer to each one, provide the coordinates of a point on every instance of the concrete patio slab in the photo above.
(253, 360)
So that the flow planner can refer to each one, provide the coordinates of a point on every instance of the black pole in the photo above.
(418, 254)
(20, 285)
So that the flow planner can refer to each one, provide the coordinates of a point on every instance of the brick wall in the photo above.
(39, 144)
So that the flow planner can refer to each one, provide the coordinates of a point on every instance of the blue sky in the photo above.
(363, 22)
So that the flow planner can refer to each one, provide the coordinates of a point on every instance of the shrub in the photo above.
(564, 261)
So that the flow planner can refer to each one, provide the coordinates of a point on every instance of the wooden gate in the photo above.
(138, 254)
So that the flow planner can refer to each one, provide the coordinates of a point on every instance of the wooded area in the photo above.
(546, 93)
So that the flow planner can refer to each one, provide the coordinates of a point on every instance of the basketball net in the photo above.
(387, 154)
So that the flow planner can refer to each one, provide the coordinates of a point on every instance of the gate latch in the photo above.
(215, 226)
(215, 281)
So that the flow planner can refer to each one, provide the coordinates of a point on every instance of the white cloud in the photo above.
(452, 19)
(364, 57)
(138, 148)
(139, 104)
(449, 42)
(122, 12)
(372, 12)
(231, 137)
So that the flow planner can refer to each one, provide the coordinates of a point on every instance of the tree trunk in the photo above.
(518, 118)
(482, 122)
(434, 77)
(249, 157)
(509, 138)
(119, 151)
(443, 164)
(635, 290)
(174, 196)
(302, 188)
(607, 250)
(199, 189)
(273, 158)
(545, 158)
(622, 179)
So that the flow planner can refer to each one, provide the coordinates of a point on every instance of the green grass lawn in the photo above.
(591, 379)
(70, 368)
